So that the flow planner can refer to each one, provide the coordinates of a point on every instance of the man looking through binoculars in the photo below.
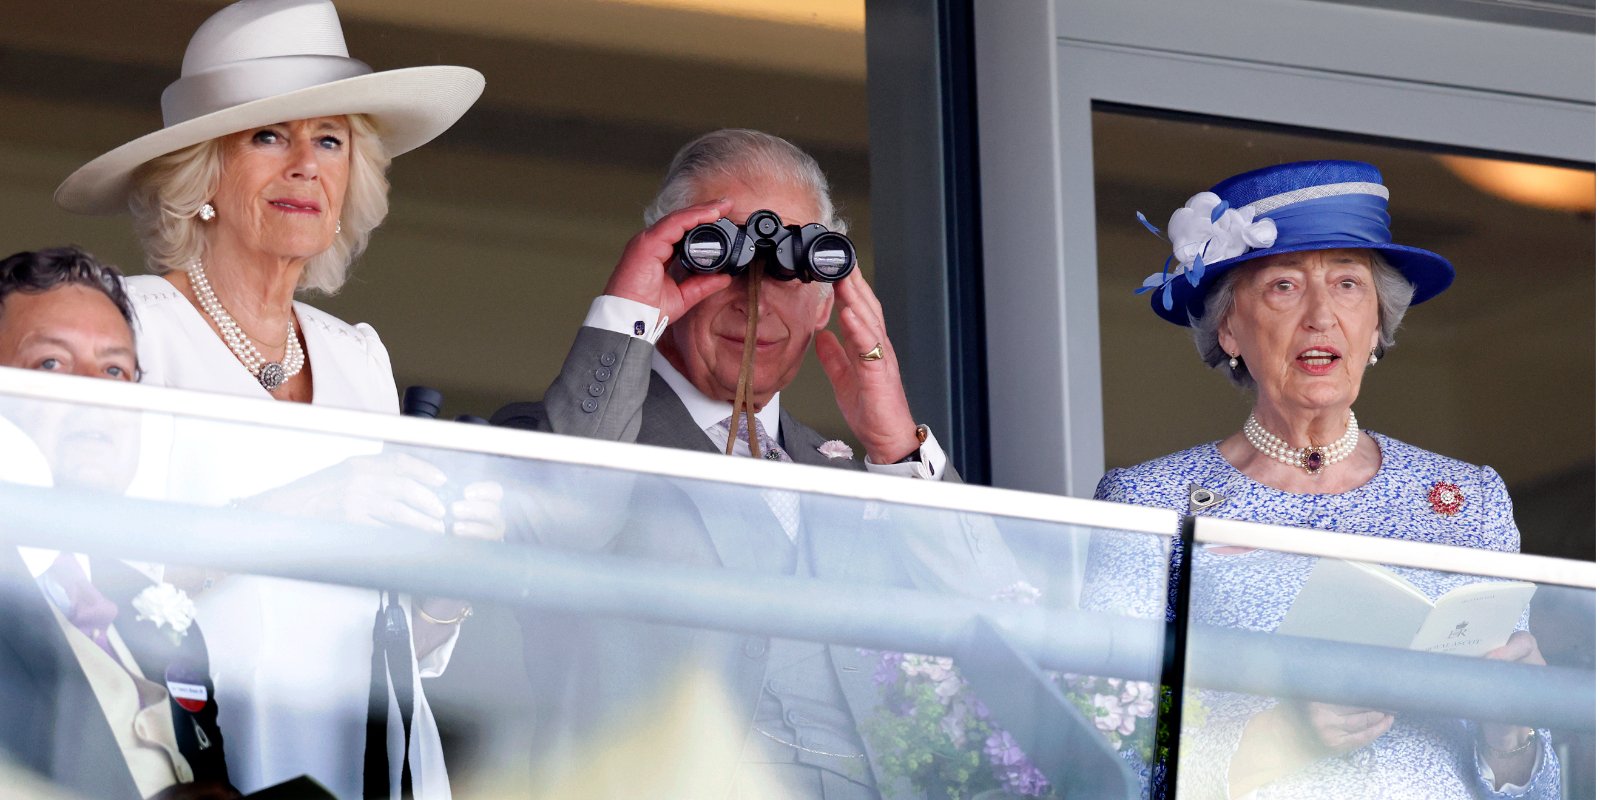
(690, 329)
(660, 361)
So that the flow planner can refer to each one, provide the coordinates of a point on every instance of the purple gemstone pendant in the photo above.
(1312, 462)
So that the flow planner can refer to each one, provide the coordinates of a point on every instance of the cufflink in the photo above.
(922, 438)
(638, 327)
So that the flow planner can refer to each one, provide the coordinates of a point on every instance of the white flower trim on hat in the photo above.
(1205, 231)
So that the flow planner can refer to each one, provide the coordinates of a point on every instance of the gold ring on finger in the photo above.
(874, 354)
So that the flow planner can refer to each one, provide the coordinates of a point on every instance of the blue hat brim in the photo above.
(1429, 272)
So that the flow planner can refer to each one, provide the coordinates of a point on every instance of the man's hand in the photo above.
(870, 394)
(641, 273)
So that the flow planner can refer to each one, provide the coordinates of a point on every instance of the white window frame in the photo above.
(1358, 69)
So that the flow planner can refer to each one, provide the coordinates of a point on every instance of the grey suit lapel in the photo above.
(742, 529)
(738, 521)
(802, 444)
(832, 524)
(835, 544)
(667, 423)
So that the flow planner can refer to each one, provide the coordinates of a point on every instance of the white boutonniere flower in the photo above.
(833, 448)
(168, 607)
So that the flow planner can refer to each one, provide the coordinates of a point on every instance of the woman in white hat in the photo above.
(267, 179)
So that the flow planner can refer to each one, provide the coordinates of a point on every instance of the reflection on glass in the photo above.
(707, 251)
(1348, 601)
(1289, 721)
(655, 635)
(829, 261)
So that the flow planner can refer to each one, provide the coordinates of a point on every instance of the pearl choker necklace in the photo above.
(1311, 459)
(271, 374)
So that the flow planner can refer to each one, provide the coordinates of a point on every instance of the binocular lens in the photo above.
(831, 257)
(705, 248)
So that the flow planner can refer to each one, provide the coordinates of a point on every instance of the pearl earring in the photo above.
(1372, 358)
(208, 212)
(338, 227)
(1233, 362)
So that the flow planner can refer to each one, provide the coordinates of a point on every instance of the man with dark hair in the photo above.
(95, 697)
(63, 311)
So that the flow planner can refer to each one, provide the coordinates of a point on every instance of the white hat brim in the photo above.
(410, 106)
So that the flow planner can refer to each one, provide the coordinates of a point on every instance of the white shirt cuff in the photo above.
(434, 664)
(929, 464)
(627, 317)
(1510, 789)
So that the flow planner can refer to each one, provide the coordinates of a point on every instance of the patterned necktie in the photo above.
(785, 505)
(86, 608)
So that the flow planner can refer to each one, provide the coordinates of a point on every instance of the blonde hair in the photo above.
(169, 191)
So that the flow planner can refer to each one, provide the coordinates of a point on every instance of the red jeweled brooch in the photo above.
(1446, 498)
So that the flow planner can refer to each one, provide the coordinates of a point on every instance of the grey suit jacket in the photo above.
(596, 680)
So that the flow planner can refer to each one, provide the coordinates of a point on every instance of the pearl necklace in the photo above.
(271, 374)
(1311, 459)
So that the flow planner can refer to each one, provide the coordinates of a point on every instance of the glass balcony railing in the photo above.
(1328, 664)
(650, 622)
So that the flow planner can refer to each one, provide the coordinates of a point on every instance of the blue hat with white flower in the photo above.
(1289, 208)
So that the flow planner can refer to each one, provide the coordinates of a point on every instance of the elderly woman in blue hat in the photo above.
(1289, 282)
(267, 181)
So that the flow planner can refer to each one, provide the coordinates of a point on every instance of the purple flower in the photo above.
(1111, 716)
(887, 672)
(954, 723)
(1012, 768)
(1139, 698)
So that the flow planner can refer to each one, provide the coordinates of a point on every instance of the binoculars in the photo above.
(791, 252)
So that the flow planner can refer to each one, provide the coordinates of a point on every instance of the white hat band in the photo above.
(245, 81)
(1269, 204)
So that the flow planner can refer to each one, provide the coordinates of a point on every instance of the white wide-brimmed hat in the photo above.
(261, 62)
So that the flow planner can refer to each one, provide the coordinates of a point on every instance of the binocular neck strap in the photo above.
(744, 394)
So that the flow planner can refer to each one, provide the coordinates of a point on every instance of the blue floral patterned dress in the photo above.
(1418, 757)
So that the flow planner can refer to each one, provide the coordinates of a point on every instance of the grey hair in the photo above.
(1394, 297)
(169, 191)
(744, 154)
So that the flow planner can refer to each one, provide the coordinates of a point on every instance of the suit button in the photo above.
(602, 374)
(608, 359)
(590, 406)
(755, 648)
(595, 390)
(794, 718)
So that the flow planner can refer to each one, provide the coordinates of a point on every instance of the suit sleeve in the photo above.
(599, 393)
